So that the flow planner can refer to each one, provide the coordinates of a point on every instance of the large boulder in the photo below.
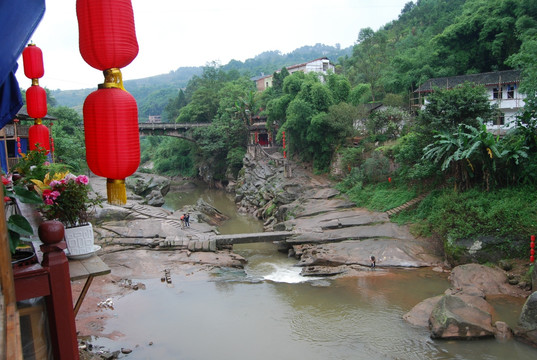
(143, 184)
(420, 314)
(154, 198)
(479, 278)
(461, 317)
(527, 323)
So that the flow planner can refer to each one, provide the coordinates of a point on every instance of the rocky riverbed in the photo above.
(330, 237)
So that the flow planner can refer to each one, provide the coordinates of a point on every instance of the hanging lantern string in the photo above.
(112, 79)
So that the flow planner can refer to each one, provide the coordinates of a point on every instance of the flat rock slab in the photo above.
(319, 206)
(388, 252)
(385, 230)
(337, 219)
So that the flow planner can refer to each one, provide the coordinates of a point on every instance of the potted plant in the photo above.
(67, 199)
(32, 165)
(19, 228)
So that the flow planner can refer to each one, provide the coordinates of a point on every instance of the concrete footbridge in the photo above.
(204, 242)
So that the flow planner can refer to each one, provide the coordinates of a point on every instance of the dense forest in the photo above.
(443, 148)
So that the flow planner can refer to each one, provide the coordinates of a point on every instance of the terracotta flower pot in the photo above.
(51, 232)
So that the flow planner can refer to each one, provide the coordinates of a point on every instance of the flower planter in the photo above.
(24, 255)
(79, 240)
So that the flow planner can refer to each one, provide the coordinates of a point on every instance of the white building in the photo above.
(502, 89)
(321, 66)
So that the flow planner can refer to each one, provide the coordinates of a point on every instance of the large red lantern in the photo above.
(107, 38)
(112, 138)
(107, 41)
(32, 58)
(36, 102)
(38, 135)
(111, 128)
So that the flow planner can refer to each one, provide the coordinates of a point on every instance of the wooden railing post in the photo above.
(60, 303)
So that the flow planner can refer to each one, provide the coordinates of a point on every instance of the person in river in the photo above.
(187, 219)
(373, 261)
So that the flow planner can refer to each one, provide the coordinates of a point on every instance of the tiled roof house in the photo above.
(502, 89)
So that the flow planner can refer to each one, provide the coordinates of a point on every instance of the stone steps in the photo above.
(406, 205)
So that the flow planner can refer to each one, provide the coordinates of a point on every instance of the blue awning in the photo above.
(18, 20)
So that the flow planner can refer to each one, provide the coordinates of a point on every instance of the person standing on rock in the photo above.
(187, 219)
(373, 261)
(183, 221)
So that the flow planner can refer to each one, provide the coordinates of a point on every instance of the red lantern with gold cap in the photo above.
(107, 41)
(112, 138)
(107, 37)
(36, 102)
(32, 58)
(38, 135)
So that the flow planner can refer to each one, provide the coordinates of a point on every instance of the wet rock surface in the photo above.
(461, 316)
(463, 311)
(526, 331)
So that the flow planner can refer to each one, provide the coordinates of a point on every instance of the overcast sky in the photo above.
(176, 33)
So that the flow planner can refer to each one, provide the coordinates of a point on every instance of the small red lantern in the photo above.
(107, 37)
(38, 136)
(32, 58)
(36, 102)
(112, 138)
(532, 248)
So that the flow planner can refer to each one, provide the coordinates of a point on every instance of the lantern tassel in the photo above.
(116, 191)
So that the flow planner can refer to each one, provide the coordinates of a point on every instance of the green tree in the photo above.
(469, 154)
(387, 122)
(370, 59)
(69, 142)
(174, 105)
(299, 115)
(340, 87)
(447, 109)
(360, 94)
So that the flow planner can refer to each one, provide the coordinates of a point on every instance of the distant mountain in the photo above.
(152, 93)
(269, 61)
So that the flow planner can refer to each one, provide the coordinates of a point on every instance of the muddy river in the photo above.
(268, 311)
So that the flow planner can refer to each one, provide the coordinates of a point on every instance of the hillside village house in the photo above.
(502, 88)
(321, 65)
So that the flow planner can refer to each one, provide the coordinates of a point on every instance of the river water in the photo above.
(270, 312)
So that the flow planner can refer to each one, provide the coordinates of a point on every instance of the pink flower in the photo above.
(82, 179)
(54, 195)
(48, 201)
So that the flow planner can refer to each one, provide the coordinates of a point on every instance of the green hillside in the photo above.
(153, 93)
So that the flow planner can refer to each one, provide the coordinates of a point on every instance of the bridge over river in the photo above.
(205, 242)
(171, 129)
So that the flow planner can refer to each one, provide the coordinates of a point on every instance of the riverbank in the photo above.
(134, 239)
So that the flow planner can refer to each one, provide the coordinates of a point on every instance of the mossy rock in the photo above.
(482, 250)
